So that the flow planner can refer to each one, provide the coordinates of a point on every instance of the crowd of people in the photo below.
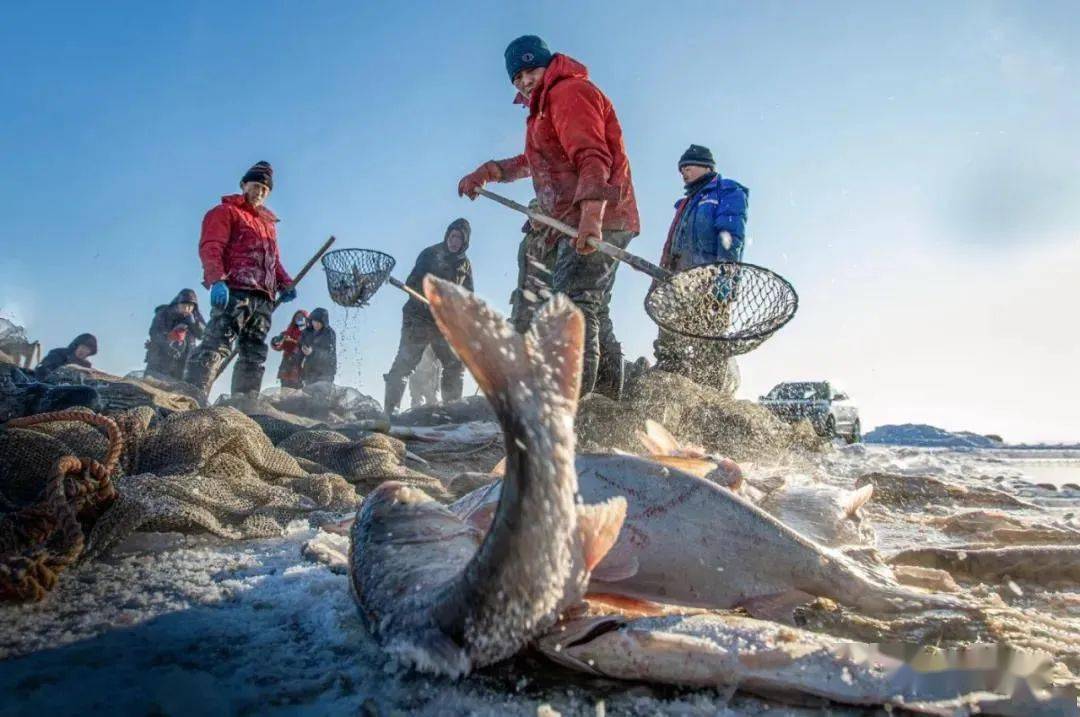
(576, 156)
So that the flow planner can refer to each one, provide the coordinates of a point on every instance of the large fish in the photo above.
(780, 662)
(687, 541)
(445, 597)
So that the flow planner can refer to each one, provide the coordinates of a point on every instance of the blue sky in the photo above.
(913, 171)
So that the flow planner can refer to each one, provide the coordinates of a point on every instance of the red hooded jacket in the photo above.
(574, 149)
(239, 245)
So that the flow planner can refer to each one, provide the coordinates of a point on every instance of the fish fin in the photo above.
(694, 466)
(611, 603)
(499, 469)
(857, 499)
(615, 567)
(555, 343)
(598, 528)
(778, 607)
(484, 340)
(660, 437)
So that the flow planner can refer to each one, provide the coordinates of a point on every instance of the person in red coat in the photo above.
(575, 154)
(288, 343)
(242, 268)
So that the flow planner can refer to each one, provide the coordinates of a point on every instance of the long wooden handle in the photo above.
(307, 267)
(642, 265)
(409, 290)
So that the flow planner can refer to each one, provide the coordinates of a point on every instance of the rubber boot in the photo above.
(395, 389)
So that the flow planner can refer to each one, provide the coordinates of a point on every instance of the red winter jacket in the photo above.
(239, 245)
(574, 149)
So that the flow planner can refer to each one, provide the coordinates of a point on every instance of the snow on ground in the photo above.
(187, 625)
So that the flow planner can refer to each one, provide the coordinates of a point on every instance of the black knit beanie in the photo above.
(698, 156)
(260, 172)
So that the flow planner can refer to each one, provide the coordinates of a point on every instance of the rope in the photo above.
(75, 486)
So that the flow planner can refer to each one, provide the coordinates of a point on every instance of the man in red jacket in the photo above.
(242, 268)
(575, 154)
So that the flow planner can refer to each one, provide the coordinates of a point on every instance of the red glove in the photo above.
(591, 225)
(487, 172)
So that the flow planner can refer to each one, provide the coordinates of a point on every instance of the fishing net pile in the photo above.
(365, 462)
(119, 394)
(324, 401)
(203, 471)
(694, 413)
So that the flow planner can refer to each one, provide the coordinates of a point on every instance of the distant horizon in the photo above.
(914, 171)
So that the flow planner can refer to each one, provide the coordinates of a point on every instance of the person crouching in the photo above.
(318, 345)
(78, 352)
(288, 343)
(174, 334)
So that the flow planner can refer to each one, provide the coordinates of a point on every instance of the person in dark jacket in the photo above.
(575, 154)
(709, 227)
(242, 268)
(174, 334)
(318, 344)
(77, 352)
(446, 260)
(288, 343)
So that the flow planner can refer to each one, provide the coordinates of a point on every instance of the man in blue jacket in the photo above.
(709, 226)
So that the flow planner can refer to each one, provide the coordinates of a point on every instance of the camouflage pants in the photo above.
(588, 280)
(416, 335)
(536, 261)
(699, 360)
(245, 321)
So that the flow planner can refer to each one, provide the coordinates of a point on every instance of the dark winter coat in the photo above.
(439, 261)
(574, 149)
(321, 363)
(288, 343)
(695, 237)
(239, 245)
(61, 357)
(173, 336)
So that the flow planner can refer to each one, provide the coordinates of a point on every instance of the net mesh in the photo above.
(354, 275)
(736, 305)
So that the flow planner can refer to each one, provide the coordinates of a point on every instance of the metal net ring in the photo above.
(354, 275)
(734, 304)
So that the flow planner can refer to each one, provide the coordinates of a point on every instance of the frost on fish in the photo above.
(714, 650)
(443, 596)
(690, 542)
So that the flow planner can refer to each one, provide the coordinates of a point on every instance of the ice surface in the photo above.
(181, 625)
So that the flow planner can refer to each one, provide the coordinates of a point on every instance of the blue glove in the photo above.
(219, 295)
(286, 295)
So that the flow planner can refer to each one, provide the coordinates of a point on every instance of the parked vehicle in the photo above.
(828, 409)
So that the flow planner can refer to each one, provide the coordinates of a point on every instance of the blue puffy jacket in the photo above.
(695, 235)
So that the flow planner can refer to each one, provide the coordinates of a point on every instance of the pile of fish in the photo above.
(647, 568)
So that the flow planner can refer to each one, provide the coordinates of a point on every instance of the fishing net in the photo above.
(354, 275)
(736, 305)
(69, 492)
(214, 470)
(50, 493)
(366, 462)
